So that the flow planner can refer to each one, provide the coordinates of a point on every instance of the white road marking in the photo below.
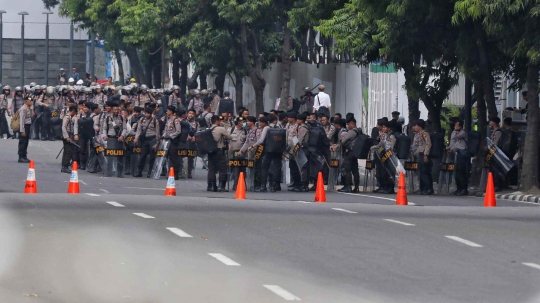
(411, 204)
(83, 183)
(282, 293)
(533, 265)
(149, 188)
(463, 241)
(105, 191)
(344, 210)
(93, 195)
(179, 232)
(304, 202)
(399, 222)
(224, 260)
(376, 197)
(143, 215)
(115, 204)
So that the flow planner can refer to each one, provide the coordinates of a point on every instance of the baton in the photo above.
(60, 152)
(314, 87)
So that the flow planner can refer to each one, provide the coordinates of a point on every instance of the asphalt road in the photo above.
(121, 240)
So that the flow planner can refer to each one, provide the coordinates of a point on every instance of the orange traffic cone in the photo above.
(401, 198)
(73, 187)
(170, 190)
(489, 198)
(240, 188)
(31, 185)
(320, 195)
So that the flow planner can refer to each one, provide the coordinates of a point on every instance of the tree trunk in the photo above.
(239, 88)
(157, 76)
(148, 73)
(121, 74)
(489, 95)
(135, 62)
(175, 69)
(478, 161)
(413, 102)
(254, 70)
(486, 70)
(182, 82)
(203, 81)
(164, 65)
(192, 81)
(434, 114)
(287, 62)
(220, 81)
(529, 172)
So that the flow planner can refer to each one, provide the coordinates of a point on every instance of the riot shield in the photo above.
(250, 171)
(411, 169)
(136, 152)
(56, 124)
(446, 176)
(161, 156)
(390, 163)
(188, 154)
(97, 157)
(333, 172)
(369, 173)
(236, 164)
(115, 158)
(499, 162)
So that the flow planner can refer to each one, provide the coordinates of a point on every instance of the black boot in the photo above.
(138, 174)
(65, 169)
(214, 187)
(313, 188)
(346, 189)
(272, 187)
(223, 187)
(261, 189)
(189, 174)
(210, 187)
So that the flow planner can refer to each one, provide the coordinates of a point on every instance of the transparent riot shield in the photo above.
(443, 175)
(334, 170)
(499, 163)
(97, 159)
(411, 173)
(250, 171)
(369, 173)
(161, 156)
(114, 154)
(136, 152)
(390, 163)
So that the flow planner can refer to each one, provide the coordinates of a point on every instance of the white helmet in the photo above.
(80, 82)
(71, 80)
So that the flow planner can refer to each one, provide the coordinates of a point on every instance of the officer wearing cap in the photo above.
(421, 147)
(216, 160)
(238, 134)
(171, 131)
(458, 145)
(270, 160)
(25, 118)
(496, 135)
(395, 126)
(387, 141)
(70, 134)
(147, 136)
(303, 139)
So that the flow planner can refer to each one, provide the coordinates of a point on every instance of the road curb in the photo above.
(519, 197)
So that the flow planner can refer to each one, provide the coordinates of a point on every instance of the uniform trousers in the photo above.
(350, 168)
(147, 150)
(271, 163)
(426, 180)
(462, 170)
(23, 142)
(68, 153)
(216, 163)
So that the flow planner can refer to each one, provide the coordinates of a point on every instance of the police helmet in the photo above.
(7, 87)
(18, 89)
(175, 87)
(144, 87)
(204, 92)
(32, 84)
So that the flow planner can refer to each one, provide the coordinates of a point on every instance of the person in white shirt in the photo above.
(321, 99)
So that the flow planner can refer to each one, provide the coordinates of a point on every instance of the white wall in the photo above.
(35, 21)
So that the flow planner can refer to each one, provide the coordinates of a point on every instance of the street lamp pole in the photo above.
(92, 55)
(22, 47)
(1, 40)
(47, 48)
(71, 48)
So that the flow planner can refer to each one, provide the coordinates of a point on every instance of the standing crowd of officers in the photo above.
(140, 118)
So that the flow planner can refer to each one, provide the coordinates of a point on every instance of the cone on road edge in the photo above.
(489, 198)
(401, 198)
(240, 188)
(73, 187)
(320, 195)
(31, 184)
(170, 190)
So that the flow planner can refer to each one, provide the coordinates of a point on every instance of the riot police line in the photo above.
(277, 148)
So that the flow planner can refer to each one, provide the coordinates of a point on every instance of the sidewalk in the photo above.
(518, 196)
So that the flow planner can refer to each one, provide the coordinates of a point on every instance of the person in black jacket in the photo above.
(226, 105)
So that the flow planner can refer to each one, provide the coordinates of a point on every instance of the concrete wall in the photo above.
(34, 66)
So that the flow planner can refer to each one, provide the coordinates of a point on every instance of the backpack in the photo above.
(276, 140)
(437, 145)
(473, 142)
(226, 106)
(202, 120)
(317, 139)
(206, 144)
(362, 144)
(16, 122)
(185, 126)
(403, 145)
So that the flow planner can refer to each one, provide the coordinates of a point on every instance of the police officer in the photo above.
(496, 135)
(144, 97)
(387, 141)
(458, 145)
(4, 127)
(251, 138)
(238, 134)
(303, 139)
(394, 123)
(25, 118)
(171, 132)
(350, 163)
(270, 160)
(196, 103)
(99, 97)
(175, 98)
(422, 146)
(148, 136)
(70, 134)
(114, 128)
(216, 160)
(193, 128)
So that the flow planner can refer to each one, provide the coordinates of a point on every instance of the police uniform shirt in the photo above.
(459, 140)
(151, 126)
(174, 100)
(100, 99)
(64, 112)
(196, 104)
(208, 117)
(303, 135)
(95, 118)
(172, 128)
(17, 103)
(262, 136)
(3, 101)
(346, 137)
(69, 126)
(25, 116)
(101, 120)
(251, 139)
(238, 139)
(496, 135)
(142, 99)
(219, 133)
(424, 142)
(214, 104)
(329, 130)
(387, 141)
(114, 126)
